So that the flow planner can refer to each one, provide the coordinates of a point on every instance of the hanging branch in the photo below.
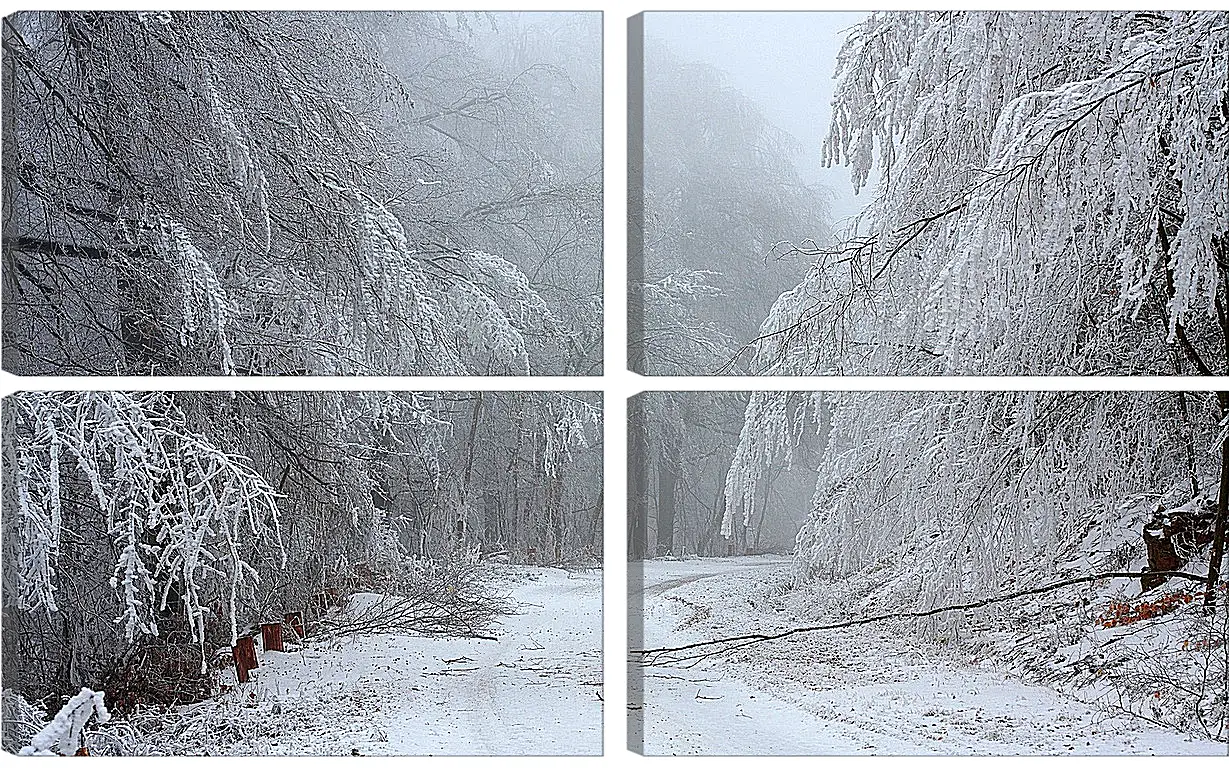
(651, 657)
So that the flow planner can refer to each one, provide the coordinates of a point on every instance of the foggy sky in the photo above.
(784, 61)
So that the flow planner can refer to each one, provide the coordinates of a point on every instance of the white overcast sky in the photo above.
(785, 62)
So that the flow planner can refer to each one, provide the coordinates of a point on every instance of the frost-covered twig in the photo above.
(429, 597)
(62, 736)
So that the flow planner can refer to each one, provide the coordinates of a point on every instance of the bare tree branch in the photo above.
(692, 651)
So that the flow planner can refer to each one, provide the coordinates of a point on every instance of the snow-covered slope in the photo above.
(866, 691)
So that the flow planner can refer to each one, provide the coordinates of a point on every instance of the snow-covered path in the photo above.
(853, 692)
(535, 691)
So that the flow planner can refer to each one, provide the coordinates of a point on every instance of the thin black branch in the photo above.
(703, 648)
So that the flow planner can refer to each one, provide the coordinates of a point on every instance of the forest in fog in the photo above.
(720, 195)
(302, 193)
(680, 449)
(819, 566)
(146, 533)
(1043, 193)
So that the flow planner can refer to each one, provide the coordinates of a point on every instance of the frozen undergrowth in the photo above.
(1169, 668)
(237, 721)
(25, 721)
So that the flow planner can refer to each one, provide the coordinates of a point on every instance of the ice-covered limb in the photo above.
(62, 736)
(156, 481)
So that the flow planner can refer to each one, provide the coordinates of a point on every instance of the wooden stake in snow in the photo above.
(271, 636)
(241, 667)
(247, 648)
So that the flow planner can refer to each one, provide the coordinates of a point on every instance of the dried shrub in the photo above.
(157, 674)
(1121, 613)
(447, 596)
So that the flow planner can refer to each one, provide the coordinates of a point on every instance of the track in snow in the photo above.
(859, 691)
(535, 691)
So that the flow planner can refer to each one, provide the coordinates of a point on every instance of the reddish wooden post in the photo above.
(729, 549)
(294, 620)
(333, 596)
(533, 555)
(271, 636)
(247, 647)
(241, 667)
(251, 649)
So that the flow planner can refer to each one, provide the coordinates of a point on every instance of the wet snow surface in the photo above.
(860, 691)
(534, 691)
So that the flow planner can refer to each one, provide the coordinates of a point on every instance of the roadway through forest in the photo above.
(863, 691)
(536, 690)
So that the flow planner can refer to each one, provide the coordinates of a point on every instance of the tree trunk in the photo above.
(759, 526)
(555, 505)
(667, 505)
(459, 526)
(637, 472)
(513, 473)
(711, 531)
(1189, 439)
(1222, 514)
(471, 447)
(595, 530)
(720, 509)
(490, 514)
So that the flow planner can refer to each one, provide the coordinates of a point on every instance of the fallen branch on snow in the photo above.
(651, 657)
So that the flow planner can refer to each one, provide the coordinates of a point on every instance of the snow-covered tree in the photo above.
(1052, 199)
(515, 159)
(234, 192)
(144, 531)
(928, 500)
(979, 489)
(178, 510)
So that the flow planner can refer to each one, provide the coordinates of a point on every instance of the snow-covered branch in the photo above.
(178, 510)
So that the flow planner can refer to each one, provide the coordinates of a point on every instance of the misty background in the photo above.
(681, 446)
(784, 61)
(736, 199)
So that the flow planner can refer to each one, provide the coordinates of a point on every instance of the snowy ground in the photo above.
(536, 690)
(862, 691)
